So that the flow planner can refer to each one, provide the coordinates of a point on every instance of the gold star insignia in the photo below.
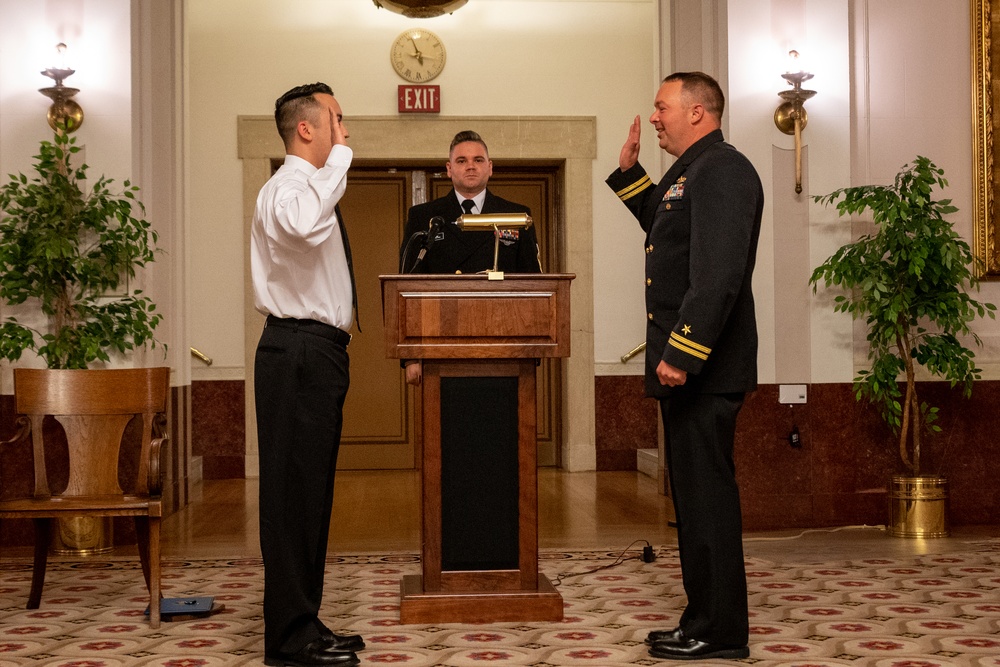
(686, 329)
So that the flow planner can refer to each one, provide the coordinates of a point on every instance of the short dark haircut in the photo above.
(703, 88)
(296, 105)
(467, 135)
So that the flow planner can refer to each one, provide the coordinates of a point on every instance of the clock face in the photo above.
(417, 55)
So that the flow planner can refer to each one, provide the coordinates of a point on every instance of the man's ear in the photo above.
(697, 113)
(304, 130)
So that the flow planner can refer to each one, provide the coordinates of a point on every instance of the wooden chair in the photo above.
(94, 407)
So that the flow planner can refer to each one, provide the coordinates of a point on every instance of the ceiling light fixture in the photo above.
(420, 9)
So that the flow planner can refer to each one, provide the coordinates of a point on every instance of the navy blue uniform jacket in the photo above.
(456, 251)
(702, 222)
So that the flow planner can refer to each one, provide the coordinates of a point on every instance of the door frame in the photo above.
(570, 140)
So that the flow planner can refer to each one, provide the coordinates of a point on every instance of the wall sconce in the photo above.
(64, 114)
(790, 117)
(420, 9)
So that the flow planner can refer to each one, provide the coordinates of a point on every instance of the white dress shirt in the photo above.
(297, 259)
(478, 200)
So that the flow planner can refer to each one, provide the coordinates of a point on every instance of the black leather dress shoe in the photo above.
(342, 642)
(686, 648)
(661, 635)
(314, 654)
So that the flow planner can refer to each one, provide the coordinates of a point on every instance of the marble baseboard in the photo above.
(836, 477)
(625, 421)
(219, 427)
(838, 474)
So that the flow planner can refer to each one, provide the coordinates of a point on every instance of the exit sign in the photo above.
(419, 99)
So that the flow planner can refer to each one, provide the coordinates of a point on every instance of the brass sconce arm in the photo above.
(791, 118)
(65, 114)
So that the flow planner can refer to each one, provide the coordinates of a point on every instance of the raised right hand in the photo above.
(338, 128)
(630, 151)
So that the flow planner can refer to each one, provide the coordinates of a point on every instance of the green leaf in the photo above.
(908, 280)
(67, 250)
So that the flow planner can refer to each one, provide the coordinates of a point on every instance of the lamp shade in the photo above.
(420, 9)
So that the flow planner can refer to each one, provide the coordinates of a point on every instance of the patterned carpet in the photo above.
(929, 611)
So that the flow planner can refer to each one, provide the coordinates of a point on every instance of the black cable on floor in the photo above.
(647, 556)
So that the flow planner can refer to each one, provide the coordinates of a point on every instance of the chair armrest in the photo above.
(23, 429)
(155, 481)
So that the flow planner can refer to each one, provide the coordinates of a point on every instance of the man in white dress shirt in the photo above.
(302, 278)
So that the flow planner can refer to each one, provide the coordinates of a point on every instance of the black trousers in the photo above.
(700, 429)
(300, 382)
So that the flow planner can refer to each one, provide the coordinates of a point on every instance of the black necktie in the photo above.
(350, 266)
(467, 205)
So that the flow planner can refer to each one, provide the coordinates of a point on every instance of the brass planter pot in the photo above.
(918, 506)
(82, 536)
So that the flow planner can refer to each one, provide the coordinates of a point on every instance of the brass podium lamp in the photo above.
(495, 222)
(64, 114)
(790, 117)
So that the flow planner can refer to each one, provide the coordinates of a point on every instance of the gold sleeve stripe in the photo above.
(694, 350)
(687, 350)
(690, 343)
(635, 188)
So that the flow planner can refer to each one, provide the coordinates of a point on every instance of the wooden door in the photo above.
(380, 430)
(381, 427)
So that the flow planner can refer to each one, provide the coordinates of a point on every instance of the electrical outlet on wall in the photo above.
(791, 393)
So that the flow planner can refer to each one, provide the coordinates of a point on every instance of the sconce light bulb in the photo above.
(61, 56)
(794, 62)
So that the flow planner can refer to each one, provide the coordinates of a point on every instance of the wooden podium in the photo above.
(479, 340)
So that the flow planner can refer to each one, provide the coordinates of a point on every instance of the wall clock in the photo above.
(417, 55)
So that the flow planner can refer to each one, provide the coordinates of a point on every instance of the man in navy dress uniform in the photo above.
(702, 222)
(453, 250)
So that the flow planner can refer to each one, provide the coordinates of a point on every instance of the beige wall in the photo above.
(893, 80)
(505, 58)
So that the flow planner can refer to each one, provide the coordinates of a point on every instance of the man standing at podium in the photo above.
(451, 250)
(303, 280)
(479, 418)
(702, 222)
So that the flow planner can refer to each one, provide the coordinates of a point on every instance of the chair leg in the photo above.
(142, 541)
(43, 530)
(147, 531)
(154, 571)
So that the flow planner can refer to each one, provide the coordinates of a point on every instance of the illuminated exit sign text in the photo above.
(419, 99)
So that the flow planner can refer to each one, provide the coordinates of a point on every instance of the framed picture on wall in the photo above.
(985, 82)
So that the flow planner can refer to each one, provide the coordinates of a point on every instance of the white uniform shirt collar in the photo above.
(479, 199)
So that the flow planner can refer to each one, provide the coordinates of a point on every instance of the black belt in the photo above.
(338, 336)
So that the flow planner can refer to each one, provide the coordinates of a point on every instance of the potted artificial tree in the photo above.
(909, 279)
(71, 252)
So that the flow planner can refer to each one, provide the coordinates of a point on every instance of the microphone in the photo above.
(433, 229)
(405, 253)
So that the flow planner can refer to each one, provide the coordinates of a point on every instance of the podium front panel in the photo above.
(479, 473)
